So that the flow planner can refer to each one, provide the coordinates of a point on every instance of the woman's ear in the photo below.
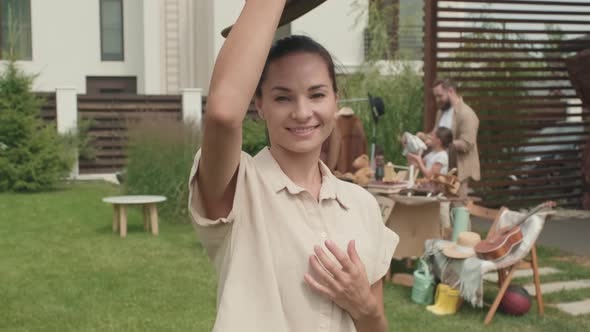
(258, 105)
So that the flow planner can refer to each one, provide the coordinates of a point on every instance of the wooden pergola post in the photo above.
(430, 37)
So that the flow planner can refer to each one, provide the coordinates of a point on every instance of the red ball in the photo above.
(516, 301)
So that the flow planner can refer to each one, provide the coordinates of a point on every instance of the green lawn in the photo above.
(62, 269)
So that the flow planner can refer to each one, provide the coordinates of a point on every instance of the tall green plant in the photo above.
(254, 136)
(388, 76)
(160, 155)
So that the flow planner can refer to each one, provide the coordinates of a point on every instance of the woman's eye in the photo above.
(281, 98)
(317, 95)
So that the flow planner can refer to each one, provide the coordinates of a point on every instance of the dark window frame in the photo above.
(25, 58)
(111, 85)
(100, 26)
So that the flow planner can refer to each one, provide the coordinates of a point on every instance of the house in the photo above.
(154, 46)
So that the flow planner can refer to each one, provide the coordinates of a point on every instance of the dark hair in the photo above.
(292, 45)
(446, 83)
(446, 137)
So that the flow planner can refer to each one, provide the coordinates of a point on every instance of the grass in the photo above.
(62, 269)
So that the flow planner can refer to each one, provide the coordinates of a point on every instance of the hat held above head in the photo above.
(294, 9)
(466, 241)
(345, 111)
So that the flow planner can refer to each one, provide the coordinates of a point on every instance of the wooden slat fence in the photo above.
(509, 58)
(111, 116)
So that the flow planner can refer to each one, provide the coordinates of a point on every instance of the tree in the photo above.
(33, 156)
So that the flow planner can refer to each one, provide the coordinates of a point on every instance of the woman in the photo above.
(294, 248)
(437, 160)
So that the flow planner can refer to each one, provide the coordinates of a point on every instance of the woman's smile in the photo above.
(303, 131)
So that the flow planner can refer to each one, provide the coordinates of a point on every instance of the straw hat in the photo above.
(466, 241)
(293, 10)
(345, 111)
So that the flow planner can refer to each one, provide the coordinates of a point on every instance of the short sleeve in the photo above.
(441, 158)
(213, 232)
(385, 240)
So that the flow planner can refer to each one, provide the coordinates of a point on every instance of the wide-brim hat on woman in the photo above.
(294, 9)
(466, 241)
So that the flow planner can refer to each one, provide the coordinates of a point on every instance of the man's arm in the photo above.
(467, 126)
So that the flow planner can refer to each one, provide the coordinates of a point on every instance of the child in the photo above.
(437, 160)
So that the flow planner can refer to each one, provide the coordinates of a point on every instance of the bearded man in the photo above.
(453, 113)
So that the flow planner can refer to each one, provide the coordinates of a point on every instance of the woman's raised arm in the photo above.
(236, 73)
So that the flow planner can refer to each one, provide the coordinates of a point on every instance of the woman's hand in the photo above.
(347, 286)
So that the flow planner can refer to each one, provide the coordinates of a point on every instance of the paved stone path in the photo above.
(557, 286)
(575, 308)
(493, 276)
(572, 308)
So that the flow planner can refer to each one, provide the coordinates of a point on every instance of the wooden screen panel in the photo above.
(517, 76)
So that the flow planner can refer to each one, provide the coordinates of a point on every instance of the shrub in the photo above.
(402, 91)
(33, 156)
(254, 136)
(160, 156)
(388, 75)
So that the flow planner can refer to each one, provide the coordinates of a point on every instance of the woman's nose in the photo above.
(303, 110)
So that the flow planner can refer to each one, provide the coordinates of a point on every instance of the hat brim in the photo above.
(345, 111)
(294, 9)
(458, 252)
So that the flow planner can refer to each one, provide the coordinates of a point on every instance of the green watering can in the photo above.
(423, 288)
(460, 220)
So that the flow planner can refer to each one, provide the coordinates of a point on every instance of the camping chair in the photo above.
(506, 273)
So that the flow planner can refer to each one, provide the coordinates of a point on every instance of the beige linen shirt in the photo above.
(261, 250)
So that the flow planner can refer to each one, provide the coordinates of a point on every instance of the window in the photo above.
(15, 29)
(403, 21)
(100, 85)
(111, 30)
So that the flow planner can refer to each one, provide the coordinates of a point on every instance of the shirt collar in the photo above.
(278, 180)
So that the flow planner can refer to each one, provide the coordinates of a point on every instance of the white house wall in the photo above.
(66, 44)
(169, 45)
(333, 24)
(339, 26)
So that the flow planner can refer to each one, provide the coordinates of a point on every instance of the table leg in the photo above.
(123, 220)
(115, 217)
(146, 218)
(154, 218)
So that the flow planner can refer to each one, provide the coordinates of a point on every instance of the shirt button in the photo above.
(324, 234)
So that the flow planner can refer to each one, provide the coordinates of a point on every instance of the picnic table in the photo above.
(415, 219)
(150, 211)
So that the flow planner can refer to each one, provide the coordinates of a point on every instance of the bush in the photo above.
(388, 75)
(160, 156)
(402, 91)
(254, 136)
(33, 156)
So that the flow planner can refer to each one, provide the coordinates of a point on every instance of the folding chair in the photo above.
(506, 273)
